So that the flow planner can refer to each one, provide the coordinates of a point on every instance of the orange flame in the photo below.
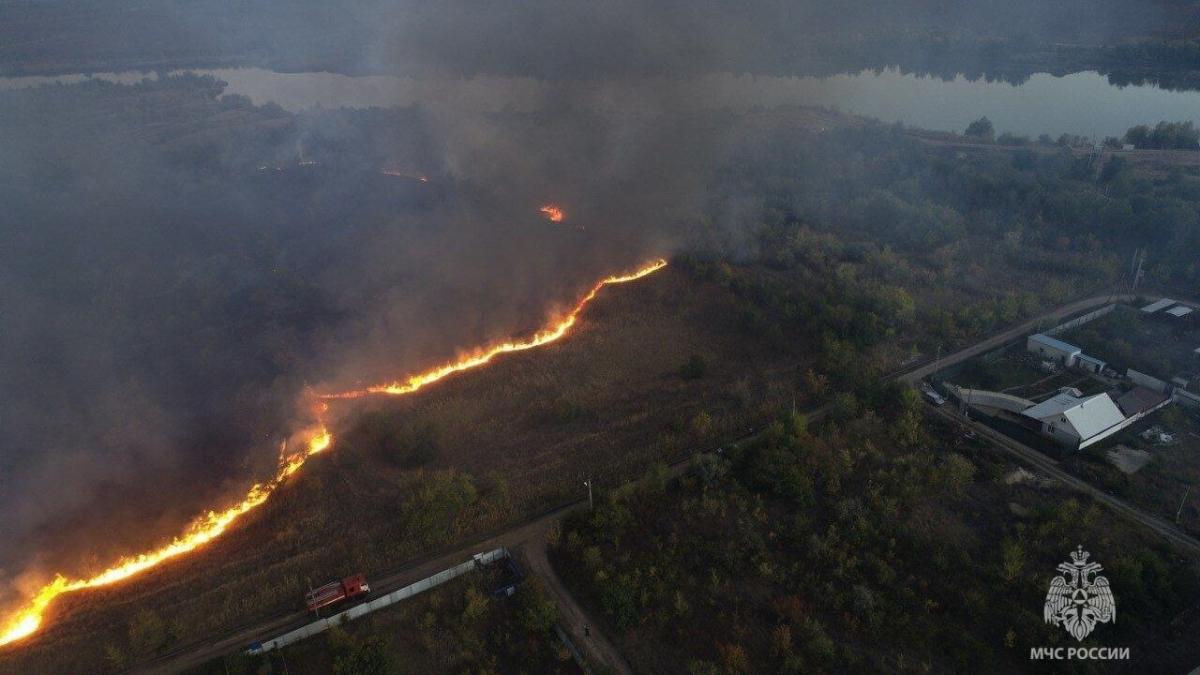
(553, 213)
(554, 331)
(201, 531)
(26, 620)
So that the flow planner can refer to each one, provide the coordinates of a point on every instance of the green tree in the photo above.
(702, 425)
(981, 128)
(476, 605)
(956, 473)
(537, 613)
(1012, 558)
(371, 657)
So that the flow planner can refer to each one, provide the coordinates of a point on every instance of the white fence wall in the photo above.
(1080, 320)
(1144, 380)
(322, 625)
(1187, 398)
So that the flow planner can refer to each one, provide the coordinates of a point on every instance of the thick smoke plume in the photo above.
(178, 268)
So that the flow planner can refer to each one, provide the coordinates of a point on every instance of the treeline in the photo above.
(1165, 136)
(1036, 217)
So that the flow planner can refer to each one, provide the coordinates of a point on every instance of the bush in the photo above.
(147, 633)
(371, 657)
(537, 612)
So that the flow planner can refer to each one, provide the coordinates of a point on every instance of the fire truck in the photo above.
(337, 591)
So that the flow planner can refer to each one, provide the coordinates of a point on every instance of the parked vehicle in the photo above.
(337, 591)
(931, 395)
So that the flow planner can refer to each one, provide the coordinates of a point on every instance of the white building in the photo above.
(1055, 350)
(1077, 422)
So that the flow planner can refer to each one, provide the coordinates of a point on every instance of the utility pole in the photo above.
(591, 504)
(1179, 510)
(316, 610)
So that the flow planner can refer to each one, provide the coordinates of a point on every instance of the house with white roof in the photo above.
(1077, 422)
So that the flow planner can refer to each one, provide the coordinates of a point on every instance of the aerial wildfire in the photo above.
(212, 524)
(553, 213)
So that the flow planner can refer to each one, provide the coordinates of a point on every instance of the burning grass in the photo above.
(478, 451)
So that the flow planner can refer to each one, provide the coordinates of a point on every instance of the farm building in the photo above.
(1179, 311)
(1077, 422)
(1053, 349)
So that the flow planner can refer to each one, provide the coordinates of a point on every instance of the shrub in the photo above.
(147, 633)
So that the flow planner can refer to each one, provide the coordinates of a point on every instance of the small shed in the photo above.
(1179, 311)
(1157, 305)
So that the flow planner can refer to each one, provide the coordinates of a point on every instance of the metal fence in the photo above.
(1147, 381)
(322, 625)
(1080, 320)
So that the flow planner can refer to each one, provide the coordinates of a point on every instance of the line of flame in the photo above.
(202, 530)
(554, 331)
(26, 620)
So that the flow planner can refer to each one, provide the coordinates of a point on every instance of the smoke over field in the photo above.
(181, 269)
(184, 270)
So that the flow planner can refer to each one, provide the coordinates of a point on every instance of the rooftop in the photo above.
(1055, 343)
(1157, 305)
(1139, 399)
(1089, 416)
(1179, 311)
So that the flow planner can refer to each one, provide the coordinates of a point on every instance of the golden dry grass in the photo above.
(607, 402)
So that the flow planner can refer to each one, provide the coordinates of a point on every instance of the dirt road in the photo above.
(1039, 323)
(1042, 463)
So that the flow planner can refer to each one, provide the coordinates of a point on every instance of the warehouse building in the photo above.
(1053, 349)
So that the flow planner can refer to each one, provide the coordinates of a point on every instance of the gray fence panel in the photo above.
(1079, 321)
(415, 588)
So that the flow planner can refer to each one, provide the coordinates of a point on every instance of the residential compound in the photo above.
(1050, 402)
(1077, 422)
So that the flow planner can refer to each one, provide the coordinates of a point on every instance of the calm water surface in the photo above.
(1082, 103)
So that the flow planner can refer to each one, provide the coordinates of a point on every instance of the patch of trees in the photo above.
(865, 546)
(1165, 136)
(981, 128)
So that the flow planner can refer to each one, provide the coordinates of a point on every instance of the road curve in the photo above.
(572, 618)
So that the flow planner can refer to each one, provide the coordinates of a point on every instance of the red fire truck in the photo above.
(337, 591)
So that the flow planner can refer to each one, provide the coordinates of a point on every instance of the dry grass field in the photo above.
(471, 454)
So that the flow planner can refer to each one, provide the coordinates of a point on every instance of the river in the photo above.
(1081, 103)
